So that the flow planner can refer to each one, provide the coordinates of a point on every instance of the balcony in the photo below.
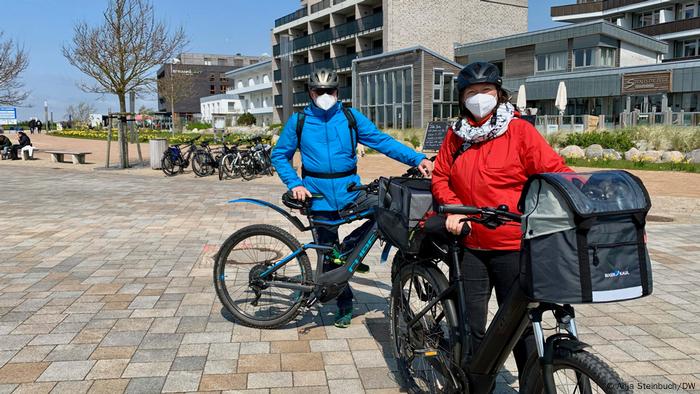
(344, 30)
(345, 93)
(585, 8)
(670, 27)
(254, 88)
(277, 75)
(278, 101)
(276, 50)
(300, 13)
(321, 5)
(301, 98)
(337, 63)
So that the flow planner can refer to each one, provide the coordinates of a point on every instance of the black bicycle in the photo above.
(431, 339)
(257, 161)
(174, 161)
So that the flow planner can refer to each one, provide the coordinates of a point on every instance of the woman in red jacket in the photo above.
(484, 161)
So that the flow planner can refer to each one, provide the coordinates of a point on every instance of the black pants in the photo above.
(485, 270)
(329, 236)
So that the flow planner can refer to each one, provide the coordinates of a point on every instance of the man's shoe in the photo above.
(339, 259)
(343, 318)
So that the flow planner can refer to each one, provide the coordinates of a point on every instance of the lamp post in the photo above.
(172, 95)
(46, 115)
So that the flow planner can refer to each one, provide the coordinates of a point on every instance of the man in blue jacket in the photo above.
(327, 136)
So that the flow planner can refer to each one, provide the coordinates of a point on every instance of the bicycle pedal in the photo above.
(425, 352)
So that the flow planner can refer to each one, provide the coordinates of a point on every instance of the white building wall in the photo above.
(631, 55)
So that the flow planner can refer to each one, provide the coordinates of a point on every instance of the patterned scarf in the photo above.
(487, 131)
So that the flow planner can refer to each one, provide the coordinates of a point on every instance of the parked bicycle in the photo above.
(174, 161)
(234, 163)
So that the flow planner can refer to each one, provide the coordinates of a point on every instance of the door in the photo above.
(398, 116)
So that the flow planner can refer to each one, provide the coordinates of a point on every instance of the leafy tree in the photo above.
(246, 119)
(120, 54)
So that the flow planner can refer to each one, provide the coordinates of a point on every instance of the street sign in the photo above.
(8, 115)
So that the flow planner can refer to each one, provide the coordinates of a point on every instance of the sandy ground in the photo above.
(674, 194)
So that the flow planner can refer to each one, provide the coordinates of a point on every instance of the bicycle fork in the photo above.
(566, 337)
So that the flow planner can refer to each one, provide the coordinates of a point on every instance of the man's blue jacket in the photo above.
(326, 147)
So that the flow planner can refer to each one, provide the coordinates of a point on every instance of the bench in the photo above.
(78, 157)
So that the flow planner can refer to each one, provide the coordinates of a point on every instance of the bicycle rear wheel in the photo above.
(168, 165)
(202, 164)
(245, 255)
(226, 167)
(577, 372)
(247, 167)
(424, 352)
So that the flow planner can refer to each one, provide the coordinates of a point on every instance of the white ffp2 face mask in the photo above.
(326, 101)
(480, 104)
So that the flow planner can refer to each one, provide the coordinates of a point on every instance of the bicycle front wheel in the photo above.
(579, 372)
(253, 300)
(226, 167)
(247, 168)
(202, 164)
(424, 352)
(169, 166)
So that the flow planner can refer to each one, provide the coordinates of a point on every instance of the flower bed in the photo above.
(146, 135)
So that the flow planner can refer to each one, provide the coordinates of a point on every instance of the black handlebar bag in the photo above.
(403, 203)
(583, 238)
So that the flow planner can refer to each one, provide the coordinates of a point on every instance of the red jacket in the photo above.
(493, 173)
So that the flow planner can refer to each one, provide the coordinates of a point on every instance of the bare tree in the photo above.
(175, 86)
(120, 54)
(143, 110)
(13, 61)
(80, 114)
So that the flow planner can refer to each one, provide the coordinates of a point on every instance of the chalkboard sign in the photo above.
(435, 132)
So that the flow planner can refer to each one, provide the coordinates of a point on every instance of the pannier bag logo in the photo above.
(617, 273)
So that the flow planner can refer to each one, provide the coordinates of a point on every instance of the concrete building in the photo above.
(675, 21)
(332, 33)
(226, 105)
(208, 74)
(405, 88)
(252, 85)
(607, 69)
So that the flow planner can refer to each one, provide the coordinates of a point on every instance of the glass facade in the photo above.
(445, 100)
(385, 97)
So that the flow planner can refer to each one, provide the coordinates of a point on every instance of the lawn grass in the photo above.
(634, 165)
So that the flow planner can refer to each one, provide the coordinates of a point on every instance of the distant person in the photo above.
(32, 125)
(23, 141)
(5, 146)
(38, 126)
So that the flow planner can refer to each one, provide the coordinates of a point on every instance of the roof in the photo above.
(266, 63)
(562, 33)
(216, 97)
(409, 49)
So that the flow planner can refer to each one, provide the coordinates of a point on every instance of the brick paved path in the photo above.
(105, 286)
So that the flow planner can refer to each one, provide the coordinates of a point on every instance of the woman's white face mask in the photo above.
(326, 101)
(481, 104)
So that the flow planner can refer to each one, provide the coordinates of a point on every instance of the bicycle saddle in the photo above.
(289, 201)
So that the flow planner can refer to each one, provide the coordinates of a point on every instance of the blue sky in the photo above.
(217, 26)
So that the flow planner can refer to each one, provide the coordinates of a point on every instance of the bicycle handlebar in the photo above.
(490, 217)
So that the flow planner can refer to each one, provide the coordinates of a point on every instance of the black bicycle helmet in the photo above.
(323, 78)
(479, 72)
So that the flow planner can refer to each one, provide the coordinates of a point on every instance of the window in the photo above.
(649, 18)
(207, 61)
(212, 89)
(211, 78)
(583, 57)
(688, 10)
(437, 85)
(607, 57)
(266, 78)
(551, 61)
(222, 62)
(690, 48)
(222, 88)
(385, 97)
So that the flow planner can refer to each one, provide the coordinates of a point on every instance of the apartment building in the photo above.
(333, 33)
(208, 78)
(607, 69)
(675, 21)
(252, 85)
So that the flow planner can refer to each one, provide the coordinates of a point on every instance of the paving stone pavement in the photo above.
(105, 286)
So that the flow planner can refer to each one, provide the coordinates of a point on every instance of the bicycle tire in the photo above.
(247, 168)
(402, 342)
(201, 164)
(583, 362)
(167, 165)
(226, 168)
(222, 257)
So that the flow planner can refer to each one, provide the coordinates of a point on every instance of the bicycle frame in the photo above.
(321, 280)
(480, 368)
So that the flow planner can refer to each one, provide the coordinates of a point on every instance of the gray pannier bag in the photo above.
(403, 203)
(583, 238)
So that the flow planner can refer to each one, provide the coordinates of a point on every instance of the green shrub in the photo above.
(634, 165)
(276, 126)
(683, 139)
(198, 126)
(556, 139)
(246, 119)
(621, 141)
(414, 141)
